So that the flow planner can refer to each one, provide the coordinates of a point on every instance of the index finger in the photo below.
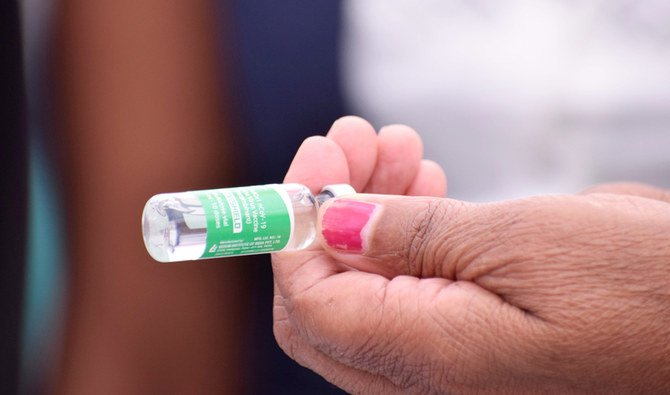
(358, 141)
(318, 162)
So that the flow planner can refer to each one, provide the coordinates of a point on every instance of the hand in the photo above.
(546, 294)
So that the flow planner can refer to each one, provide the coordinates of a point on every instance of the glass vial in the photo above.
(233, 221)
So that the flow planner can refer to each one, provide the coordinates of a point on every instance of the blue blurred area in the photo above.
(287, 87)
(43, 304)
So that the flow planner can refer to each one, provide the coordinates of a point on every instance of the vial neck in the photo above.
(323, 196)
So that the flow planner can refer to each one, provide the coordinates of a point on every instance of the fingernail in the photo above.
(343, 224)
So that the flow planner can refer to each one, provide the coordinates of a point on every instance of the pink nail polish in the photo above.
(343, 223)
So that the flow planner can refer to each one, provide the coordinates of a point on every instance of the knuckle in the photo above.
(425, 234)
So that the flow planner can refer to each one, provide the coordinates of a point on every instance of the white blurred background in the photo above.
(519, 97)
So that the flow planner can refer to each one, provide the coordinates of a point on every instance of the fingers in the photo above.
(633, 189)
(358, 141)
(352, 153)
(399, 155)
(318, 162)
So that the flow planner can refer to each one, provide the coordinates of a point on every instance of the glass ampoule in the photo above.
(233, 221)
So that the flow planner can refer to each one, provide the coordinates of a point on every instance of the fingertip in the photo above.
(343, 223)
(368, 232)
(430, 180)
(398, 159)
(314, 141)
(319, 161)
(351, 122)
(343, 229)
(400, 133)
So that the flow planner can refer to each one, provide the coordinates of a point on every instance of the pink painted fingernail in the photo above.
(343, 222)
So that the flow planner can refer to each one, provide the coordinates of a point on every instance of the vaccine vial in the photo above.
(233, 221)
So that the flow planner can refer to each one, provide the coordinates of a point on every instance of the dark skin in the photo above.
(139, 103)
(548, 294)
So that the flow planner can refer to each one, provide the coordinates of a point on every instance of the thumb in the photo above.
(395, 235)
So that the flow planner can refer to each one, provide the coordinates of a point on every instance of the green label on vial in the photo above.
(247, 220)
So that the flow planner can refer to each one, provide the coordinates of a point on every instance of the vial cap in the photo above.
(337, 190)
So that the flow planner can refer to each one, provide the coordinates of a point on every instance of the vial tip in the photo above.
(154, 223)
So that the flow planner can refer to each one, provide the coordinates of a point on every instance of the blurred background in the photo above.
(108, 103)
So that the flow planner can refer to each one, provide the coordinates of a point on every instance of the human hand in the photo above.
(546, 294)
